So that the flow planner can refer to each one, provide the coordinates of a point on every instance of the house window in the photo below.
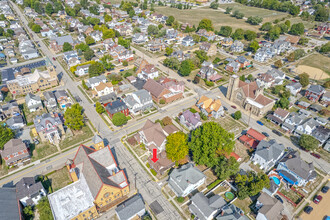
(239, 96)
(106, 195)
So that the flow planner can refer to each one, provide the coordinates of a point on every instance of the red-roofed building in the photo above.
(236, 156)
(251, 138)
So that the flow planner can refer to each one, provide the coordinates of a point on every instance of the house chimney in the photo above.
(110, 103)
(222, 212)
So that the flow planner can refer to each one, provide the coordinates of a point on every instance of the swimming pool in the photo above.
(276, 180)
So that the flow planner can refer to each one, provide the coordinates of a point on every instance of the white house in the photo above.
(185, 179)
(29, 192)
(95, 81)
(82, 70)
(294, 87)
(103, 89)
(306, 127)
(33, 102)
(149, 72)
(138, 101)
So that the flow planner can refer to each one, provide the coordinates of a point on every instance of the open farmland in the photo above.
(267, 15)
(194, 16)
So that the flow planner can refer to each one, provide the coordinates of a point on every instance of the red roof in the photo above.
(255, 134)
(249, 141)
(233, 154)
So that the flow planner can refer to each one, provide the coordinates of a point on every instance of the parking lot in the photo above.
(319, 210)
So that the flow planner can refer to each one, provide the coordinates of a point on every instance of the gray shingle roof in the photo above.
(41, 121)
(231, 212)
(316, 89)
(9, 206)
(270, 150)
(61, 40)
(27, 187)
(130, 208)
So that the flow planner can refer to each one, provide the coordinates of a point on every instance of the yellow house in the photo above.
(98, 142)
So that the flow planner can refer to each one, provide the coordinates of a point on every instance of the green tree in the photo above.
(36, 28)
(108, 34)
(321, 13)
(107, 18)
(283, 103)
(152, 30)
(170, 20)
(288, 23)
(99, 108)
(278, 64)
(284, 28)
(168, 51)
(125, 63)
(177, 146)
(228, 10)
(266, 26)
(49, 9)
(238, 34)
(308, 142)
(83, 83)
(186, 67)
(237, 115)
(73, 117)
(201, 55)
(119, 119)
(28, 213)
(274, 33)
(208, 141)
(214, 5)
(325, 48)
(205, 24)
(250, 35)
(172, 62)
(95, 69)
(6, 134)
(43, 207)
(254, 20)
(89, 54)
(297, 29)
(225, 31)
(303, 41)
(225, 168)
(67, 47)
(89, 40)
(82, 46)
(123, 42)
(254, 46)
(242, 78)
(291, 57)
(304, 79)
(250, 184)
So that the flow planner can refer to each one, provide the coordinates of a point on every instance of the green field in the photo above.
(267, 15)
(317, 61)
(194, 16)
(307, 24)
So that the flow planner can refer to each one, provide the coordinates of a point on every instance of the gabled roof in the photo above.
(153, 132)
(316, 89)
(116, 106)
(255, 134)
(154, 87)
(28, 187)
(271, 207)
(9, 206)
(269, 150)
(130, 208)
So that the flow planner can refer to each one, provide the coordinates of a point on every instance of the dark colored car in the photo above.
(316, 155)
(317, 199)
(325, 189)
(233, 106)
(225, 108)
(308, 209)
(277, 132)
(278, 198)
(260, 123)
(265, 133)
(54, 58)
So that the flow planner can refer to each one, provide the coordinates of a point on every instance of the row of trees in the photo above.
(239, 33)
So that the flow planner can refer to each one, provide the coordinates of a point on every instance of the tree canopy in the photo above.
(297, 29)
(205, 24)
(308, 142)
(225, 168)
(237, 115)
(73, 117)
(6, 134)
(177, 146)
(209, 141)
(119, 119)
(95, 69)
(45, 213)
(304, 79)
(67, 47)
(186, 67)
(99, 108)
(225, 31)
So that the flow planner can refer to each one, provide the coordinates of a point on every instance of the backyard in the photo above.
(59, 178)
(232, 125)
(42, 150)
(218, 18)
(78, 136)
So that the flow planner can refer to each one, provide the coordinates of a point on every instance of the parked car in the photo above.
(54, 58)
(225, 108)
(294, 80)
(316, 155)
(265, 133)
(278, 198)
(36, 141)
(308, 209)
(260, 123)
(277, 132)
(325, 189)
(317, 199)
(233, 106)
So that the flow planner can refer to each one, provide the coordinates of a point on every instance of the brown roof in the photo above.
(150, 68)
(281, 112)
(293, 39)
(209, 104)
(153, 132)
(102, 86)
(271, 208)
(263, 100)
(162, 164)
(266, 77)
(12, 147)
(249, 88)
(169, 129)
(154, 88)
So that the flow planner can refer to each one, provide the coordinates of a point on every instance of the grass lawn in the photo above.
(267, 15)
(243, 204)
(59, 178)
(42, 150)
(82, 135)
(218, 18)
(295, 197)
(307, 24)
(231, 125)
(29, 116)
(317, 61)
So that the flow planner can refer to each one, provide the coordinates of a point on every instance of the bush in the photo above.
(153, 172)
(162, 101)
(148, 165)
(209, 83)
(119, 119)
(203, 117)
(193, 110)
(180, 199)
(237, 115)
(213, 184)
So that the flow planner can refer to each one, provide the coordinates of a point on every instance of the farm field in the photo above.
(267, 15)
(218, 18)
(314, 65)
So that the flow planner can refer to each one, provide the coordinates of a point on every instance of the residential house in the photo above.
(269, 208)
(95, 81)
(139, 38)
(82, 70)
(63, 99)
(49, 127)
(15, 153)
(293, 39)
(264, 53)
(248, 96)
(244, 63)
(162, 164)
(303, 105)
(233, 66)
(327, 146)
(50, 101)
(9, 201)
(33, 102)
(185, 180)
(252, 138)
(108, 44)
(265, 80)
(321, 133)
(188, 41)
(208, 72)
(306, 127)
(304, 113)
(267, 154)
(227, 42)
(138, 101)
(294, 88)
(16, 122)
(296, 171)
(155, 45)
(210, 49)
(231, 212)
(190, 120)
(179, 54)
(103, 89)
(148, 72)
(96, 35)
(120, 53)
(278, 116)
(205, 208)
(292, 121)
(29, 192)
(315, 107)
(314, 92)
(322, 121)
(47, 32)
(133, 208)
(324, 28)
(237, 47)
(210, 107)
(278, 75)
(10, 109)
(56, 43)
(71, 58)
(100, 187)
(117, 106)
(160, 92)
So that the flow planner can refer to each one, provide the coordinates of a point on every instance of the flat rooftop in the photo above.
(69, 201)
